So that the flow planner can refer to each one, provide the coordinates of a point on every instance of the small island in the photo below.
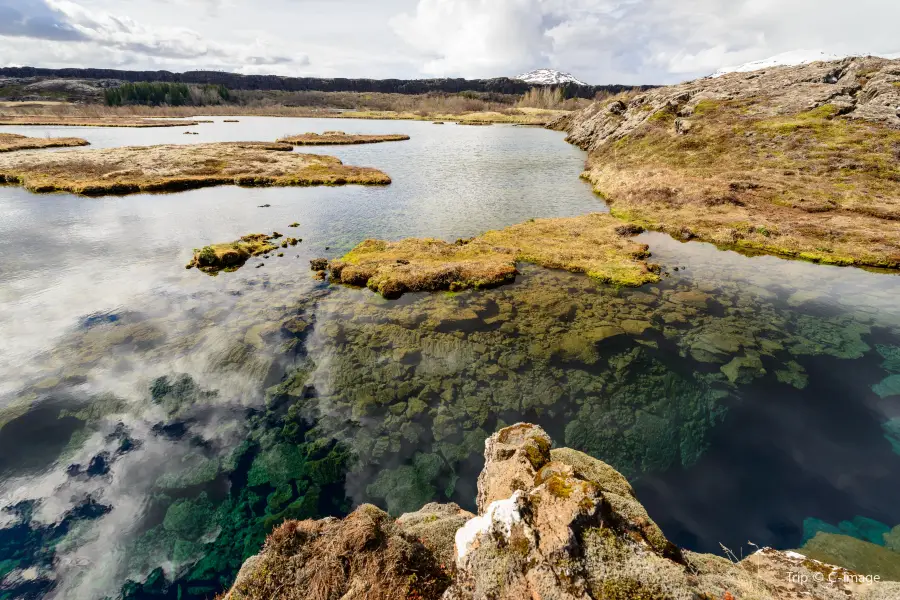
(230, 256)
(54, 121)
(10, 142)
(339, 138)
(595, 244)
(177, 167)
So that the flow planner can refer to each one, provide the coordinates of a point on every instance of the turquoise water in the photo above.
(157, 422)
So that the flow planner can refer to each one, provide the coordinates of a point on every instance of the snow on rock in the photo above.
(549, 77)
(501, 515)
(790, 59)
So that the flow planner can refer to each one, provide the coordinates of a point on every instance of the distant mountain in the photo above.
(792, 58)
(549, 77)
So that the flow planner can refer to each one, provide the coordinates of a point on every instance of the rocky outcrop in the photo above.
(863, 88)
(552, 524)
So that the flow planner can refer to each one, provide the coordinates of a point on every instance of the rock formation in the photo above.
(552, 524)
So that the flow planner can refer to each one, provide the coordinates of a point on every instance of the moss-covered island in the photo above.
(595, 244)
(177, 167)
(77, 121)
(10, 142)
(795, 161)
(339, 138)
(231, 256)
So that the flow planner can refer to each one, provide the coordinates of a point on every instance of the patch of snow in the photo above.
(793, 58)
(795, 555)
(549, 77)
(500, 516)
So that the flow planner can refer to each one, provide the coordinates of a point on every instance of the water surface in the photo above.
(157, 422)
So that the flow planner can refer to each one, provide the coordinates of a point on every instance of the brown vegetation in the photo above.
(90, 121)
(365, 555)
(752, 166)
(591, 244)
(335, 138)
(230, 256)
(11, 141)
(177, 167)
(337, 105)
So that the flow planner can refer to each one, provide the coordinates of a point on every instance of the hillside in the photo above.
(234, 81)
(798, 161)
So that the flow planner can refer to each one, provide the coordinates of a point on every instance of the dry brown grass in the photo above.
(416, 109)
(89, 121)
(336, 138)
(813, 185)
(364, 555)
(10, 142)
(594, 244)
(177, 167)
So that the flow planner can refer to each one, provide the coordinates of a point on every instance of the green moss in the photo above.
(559, 487)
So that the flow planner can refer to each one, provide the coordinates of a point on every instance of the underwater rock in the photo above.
(744, 369)
(794, 375)
(887, 387)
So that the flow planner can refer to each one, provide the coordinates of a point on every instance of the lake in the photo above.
(156, 423)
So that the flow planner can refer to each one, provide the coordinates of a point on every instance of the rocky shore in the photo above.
(551, 523)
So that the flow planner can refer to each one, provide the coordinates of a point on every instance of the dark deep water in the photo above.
(155, 423)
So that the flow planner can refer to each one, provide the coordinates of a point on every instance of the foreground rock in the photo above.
(10, 142)
(594, 244)
(52, 121)
(177, 167)
(798, 161)
(337, 138)
(552, 524)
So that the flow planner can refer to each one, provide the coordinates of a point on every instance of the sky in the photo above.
(598, 41)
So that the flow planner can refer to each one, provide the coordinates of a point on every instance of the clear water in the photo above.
(156, 422)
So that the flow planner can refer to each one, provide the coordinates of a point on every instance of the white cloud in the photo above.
(635, 41)
(82, 36)
(600, 41)
(476, 37)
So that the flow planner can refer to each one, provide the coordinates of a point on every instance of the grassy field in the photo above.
(10, 142)
(812, 185)
(595, 244)
(177, 167)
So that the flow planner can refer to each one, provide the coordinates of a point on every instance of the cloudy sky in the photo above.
(599, 41)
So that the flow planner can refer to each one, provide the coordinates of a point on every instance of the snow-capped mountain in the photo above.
(549, 77)
(792, 58)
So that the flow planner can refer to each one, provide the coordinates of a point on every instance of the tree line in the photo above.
(159, 93)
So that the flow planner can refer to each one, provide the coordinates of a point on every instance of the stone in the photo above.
(513, 456)
(744, 369)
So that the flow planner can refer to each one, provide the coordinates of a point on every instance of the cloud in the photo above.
(35, 19)
(122, 41)
(475, 37)
(634, 41)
